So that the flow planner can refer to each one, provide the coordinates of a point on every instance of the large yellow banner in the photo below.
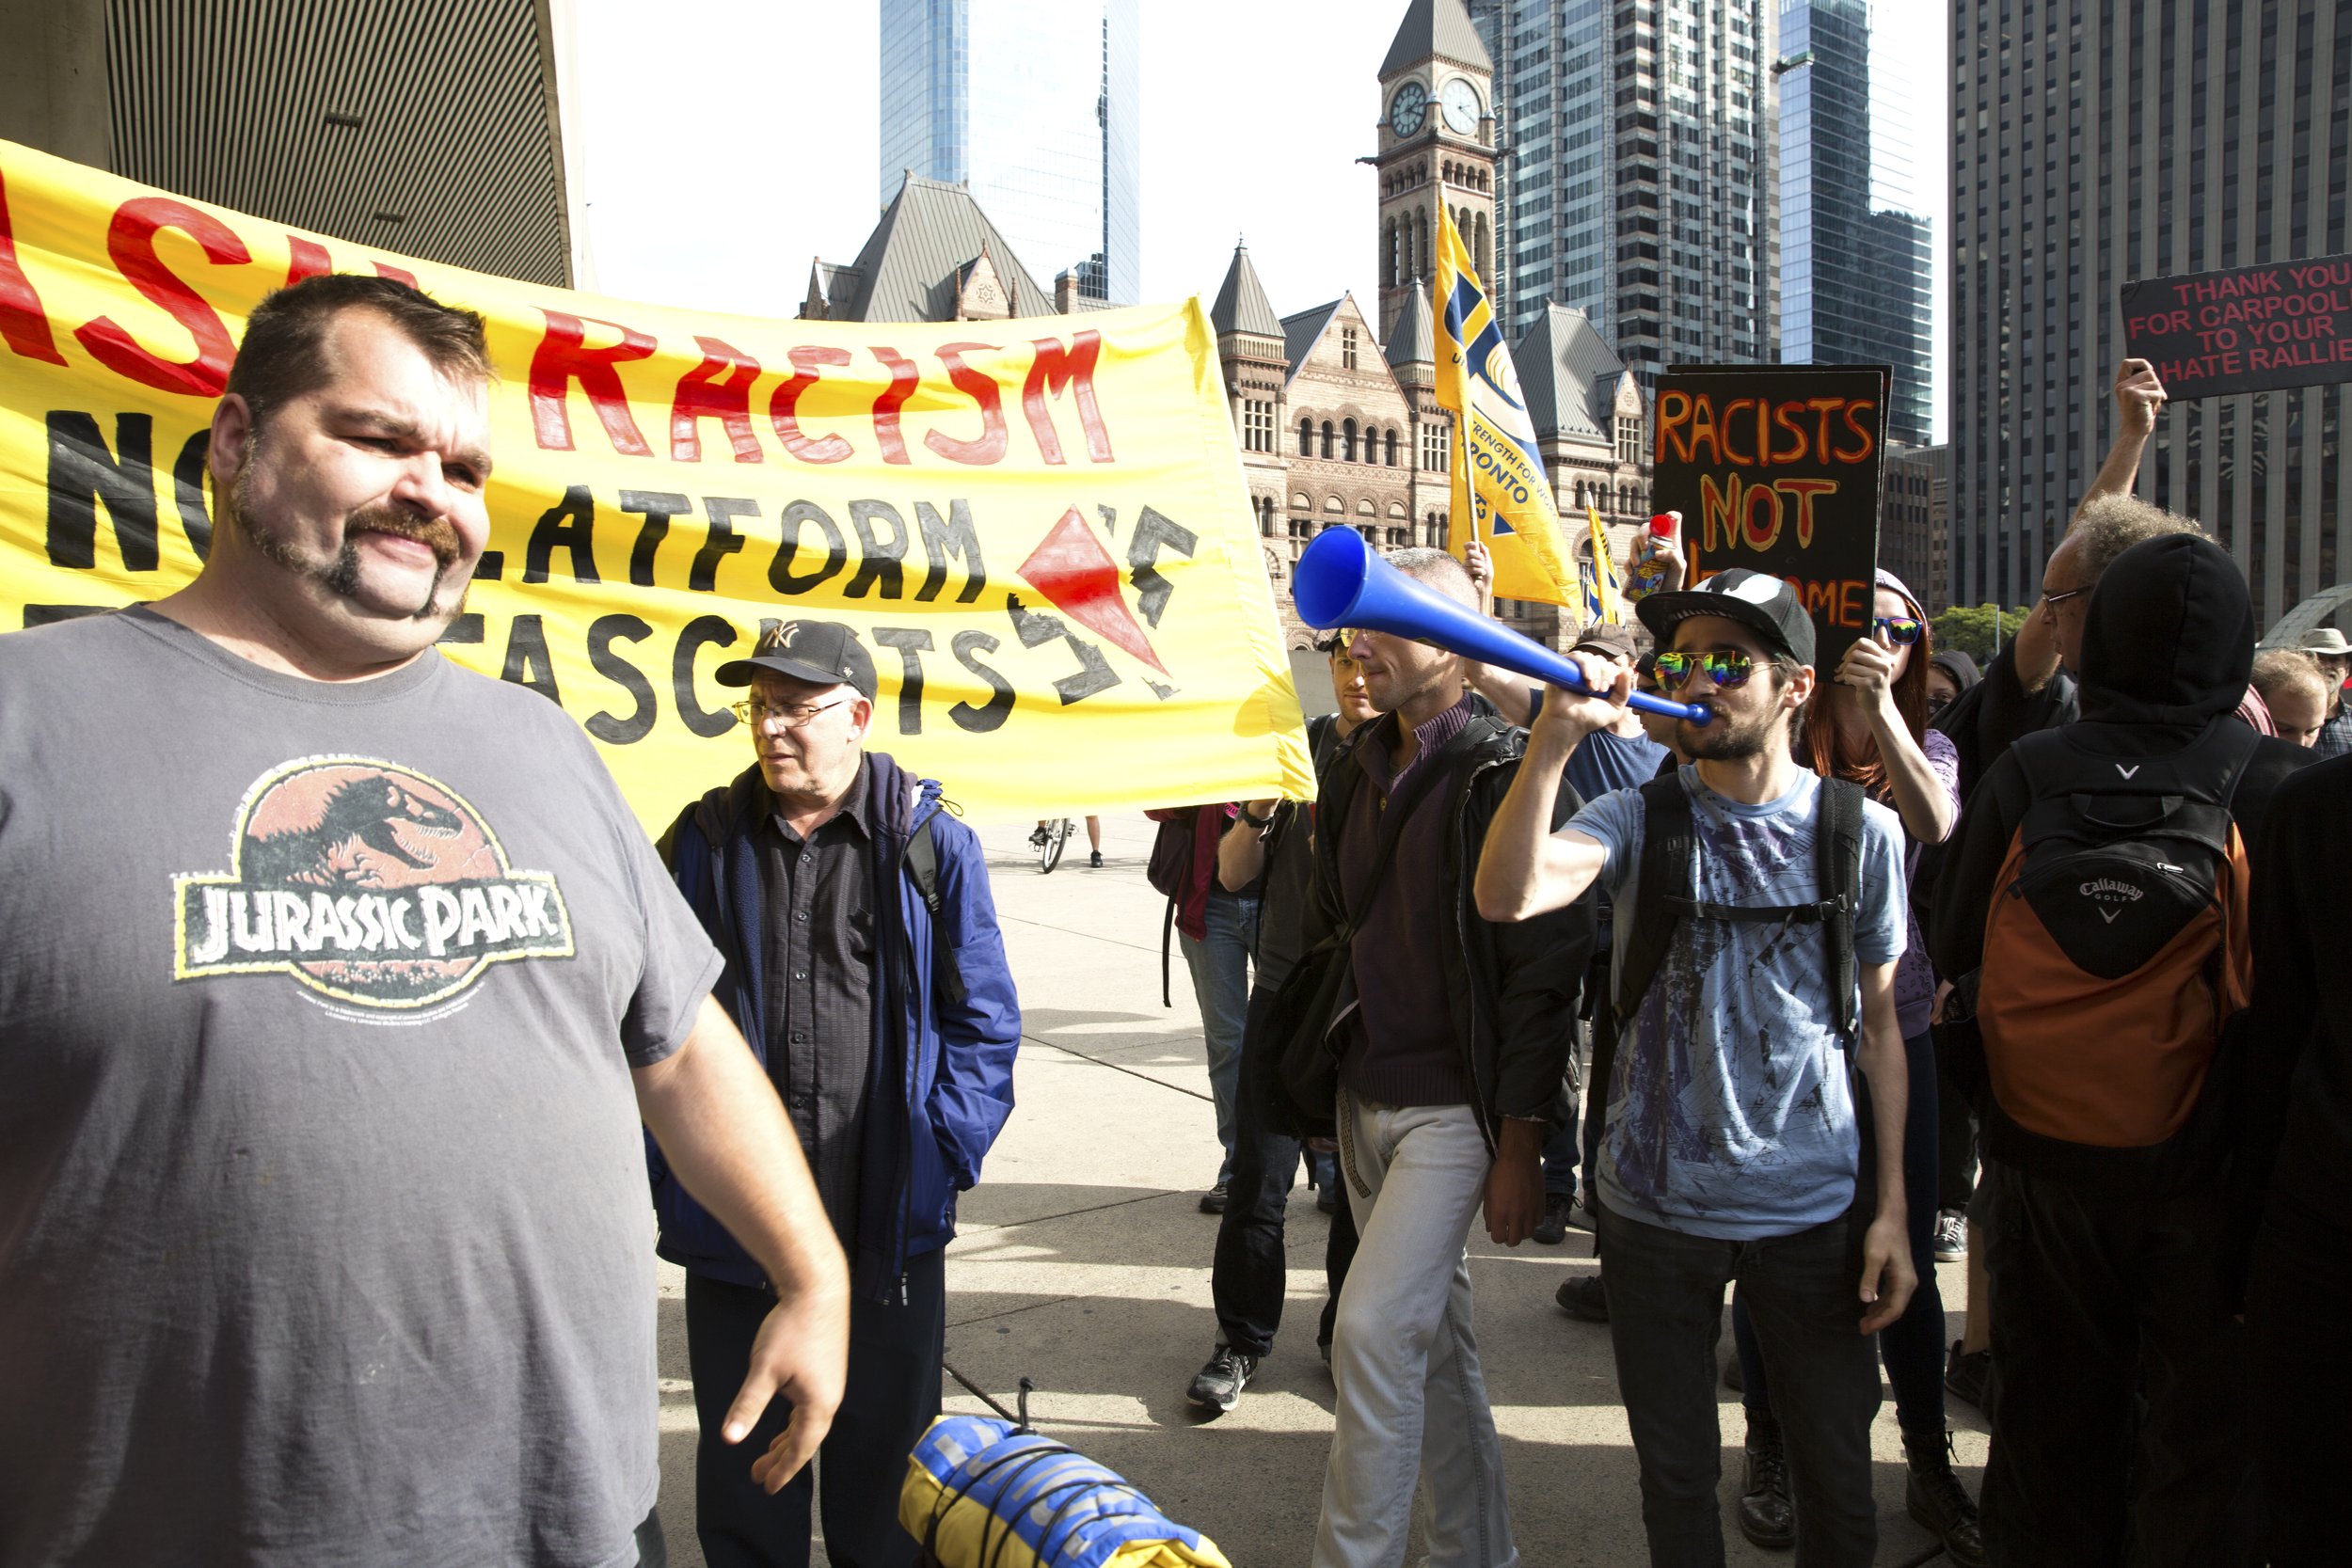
(1037, 527)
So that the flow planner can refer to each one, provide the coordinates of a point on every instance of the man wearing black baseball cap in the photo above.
(864, 967)
(1754, 959)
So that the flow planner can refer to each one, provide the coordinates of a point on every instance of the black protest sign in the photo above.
(2247, 329)
(1775, 467)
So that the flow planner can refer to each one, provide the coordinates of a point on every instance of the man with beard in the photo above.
(323, 1230)
(1731, 1148)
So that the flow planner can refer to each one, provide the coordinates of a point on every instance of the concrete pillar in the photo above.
(53, 78)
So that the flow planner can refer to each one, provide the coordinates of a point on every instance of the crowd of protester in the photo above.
(311, 1256)
(1864, 986)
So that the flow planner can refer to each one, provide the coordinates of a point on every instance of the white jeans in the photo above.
(1411, 1398)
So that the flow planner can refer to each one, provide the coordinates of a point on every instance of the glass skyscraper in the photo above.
(1855, 275)
(1637, 174)
(2096, 142)
(1031, 105)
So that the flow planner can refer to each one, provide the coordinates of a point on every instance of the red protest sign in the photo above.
(2247, 329)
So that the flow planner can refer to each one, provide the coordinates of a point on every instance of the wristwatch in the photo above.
(1260, 823)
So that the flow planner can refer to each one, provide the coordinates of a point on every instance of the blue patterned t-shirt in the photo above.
(1730, 1109)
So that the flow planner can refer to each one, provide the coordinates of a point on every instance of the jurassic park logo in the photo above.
(368, 883)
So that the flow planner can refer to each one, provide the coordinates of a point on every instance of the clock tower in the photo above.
(1436, 151)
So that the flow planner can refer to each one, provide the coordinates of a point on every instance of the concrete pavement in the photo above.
(1083, 1263)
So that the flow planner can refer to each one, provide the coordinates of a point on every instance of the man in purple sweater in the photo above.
(1451, 1051)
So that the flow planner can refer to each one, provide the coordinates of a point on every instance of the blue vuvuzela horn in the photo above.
(1340, 582)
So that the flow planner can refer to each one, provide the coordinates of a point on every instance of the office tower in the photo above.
(1032, 105)
(1639, 167)
(2096, 142)
(1854, 267)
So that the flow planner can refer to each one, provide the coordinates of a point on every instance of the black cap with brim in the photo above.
(1764, 603)
(822, 653)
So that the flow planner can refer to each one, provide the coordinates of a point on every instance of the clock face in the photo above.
(1409, 108)
(1461, 107)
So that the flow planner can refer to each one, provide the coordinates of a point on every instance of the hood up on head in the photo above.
(2170, 636)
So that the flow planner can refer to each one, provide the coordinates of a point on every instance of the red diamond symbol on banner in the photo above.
(1072, 569)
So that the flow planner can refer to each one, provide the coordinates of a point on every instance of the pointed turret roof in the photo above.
(919, 257)
(1412, 340)
(1303, 331)
(1440, 29)
(1569, 374)
(1240, 303)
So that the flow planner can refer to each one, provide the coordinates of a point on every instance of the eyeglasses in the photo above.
(1900, 629)
(1726, 670)
(2051, 601)
(790, 715)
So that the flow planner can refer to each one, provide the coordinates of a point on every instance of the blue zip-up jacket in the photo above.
(941, 1079)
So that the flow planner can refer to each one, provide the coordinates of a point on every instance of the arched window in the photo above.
(1421, 241)
(1347, 430)
(1392, 457)
(1306, 438)
(1327, 438)
(1485, 268)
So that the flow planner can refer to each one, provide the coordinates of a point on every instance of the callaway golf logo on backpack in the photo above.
(2115, 950)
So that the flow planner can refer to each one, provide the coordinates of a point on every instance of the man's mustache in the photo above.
(435, 534)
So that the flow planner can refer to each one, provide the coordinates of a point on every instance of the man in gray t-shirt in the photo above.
(338, 979)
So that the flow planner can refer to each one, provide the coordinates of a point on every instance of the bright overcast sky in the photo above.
(728, 142)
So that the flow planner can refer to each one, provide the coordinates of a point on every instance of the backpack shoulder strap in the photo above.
(1837, 839)
(1662, 880)
(921, 859)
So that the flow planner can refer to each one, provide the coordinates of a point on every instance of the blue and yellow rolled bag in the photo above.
(979, 1494)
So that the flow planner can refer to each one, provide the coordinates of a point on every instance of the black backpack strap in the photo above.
(922, 863)
(1837, 838)
(1662, 891)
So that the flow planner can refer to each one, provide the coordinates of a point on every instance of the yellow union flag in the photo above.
(1499, 484)
(1037, 527)
(1606, 598)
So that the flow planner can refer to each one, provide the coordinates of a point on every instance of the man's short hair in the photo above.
(1440, 571)
(285, 352)
(2110, 524)
(2279, 668)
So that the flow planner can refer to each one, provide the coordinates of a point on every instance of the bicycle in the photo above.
(1050, 838)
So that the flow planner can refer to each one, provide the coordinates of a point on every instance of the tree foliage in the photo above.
(1970, 628)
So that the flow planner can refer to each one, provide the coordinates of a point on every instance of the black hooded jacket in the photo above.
(2168, 646)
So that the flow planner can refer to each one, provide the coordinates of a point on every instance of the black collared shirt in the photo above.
(819, 898)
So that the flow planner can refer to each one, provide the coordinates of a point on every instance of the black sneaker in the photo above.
(1586, 1297)
(1212, 1201)
(1553, 1227)
(1037, 839)
(1094, 859)
(1219, 1385)
(1933, 1497)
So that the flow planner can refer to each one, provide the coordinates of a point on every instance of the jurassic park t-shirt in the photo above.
(323, 1230)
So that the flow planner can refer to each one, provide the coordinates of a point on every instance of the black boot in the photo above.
(1937, 1501)
(1766, 1517)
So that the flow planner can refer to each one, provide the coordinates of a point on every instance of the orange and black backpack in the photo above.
(2116, 951)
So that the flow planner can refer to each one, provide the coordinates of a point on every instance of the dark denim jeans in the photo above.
(888, 1402)
(1665, 1317)
(1247, 1279)
(1913, 1343)
(1220, 965)
(2120, 1436)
